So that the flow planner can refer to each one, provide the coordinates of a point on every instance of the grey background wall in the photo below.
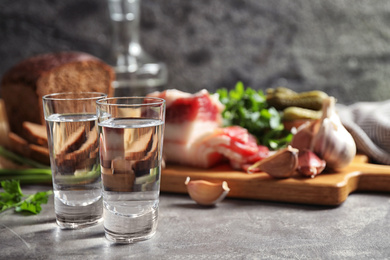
(339, 46)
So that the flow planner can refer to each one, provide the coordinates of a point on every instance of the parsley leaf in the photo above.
(248, 108)
(12, 197)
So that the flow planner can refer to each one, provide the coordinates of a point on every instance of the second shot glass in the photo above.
(131, 134)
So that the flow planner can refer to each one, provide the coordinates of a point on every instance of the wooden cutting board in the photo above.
(330, 188)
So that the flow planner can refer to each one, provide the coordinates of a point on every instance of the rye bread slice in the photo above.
(35, 133)
(22, 147)
(39, 153)
(18, 145)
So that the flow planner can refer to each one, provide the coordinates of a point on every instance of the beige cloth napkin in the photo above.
(369, 124)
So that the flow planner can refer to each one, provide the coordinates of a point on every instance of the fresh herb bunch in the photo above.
(248, 108)
(13, 197)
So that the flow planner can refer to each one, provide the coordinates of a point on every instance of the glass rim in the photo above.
(105, 101)
(78, 96)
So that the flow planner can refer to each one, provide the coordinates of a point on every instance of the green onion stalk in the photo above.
(38, 173)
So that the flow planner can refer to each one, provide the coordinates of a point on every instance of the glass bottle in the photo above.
(137, 73)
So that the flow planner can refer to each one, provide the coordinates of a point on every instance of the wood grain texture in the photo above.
(330, 188)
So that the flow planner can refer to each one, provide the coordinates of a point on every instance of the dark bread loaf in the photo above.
(24, 85)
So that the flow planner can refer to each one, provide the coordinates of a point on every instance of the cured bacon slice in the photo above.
(194, 135)
(237, 145)
(189, 116)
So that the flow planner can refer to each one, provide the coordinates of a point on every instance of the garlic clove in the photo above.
(206, 193)
(304, 135)
(282, 164)
(309, 164)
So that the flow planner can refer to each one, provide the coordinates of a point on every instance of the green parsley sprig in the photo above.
(13, 197)
(248, 108)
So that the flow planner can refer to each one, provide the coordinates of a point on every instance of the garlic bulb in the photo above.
(333, 142)
(327, 138)
(206, 193)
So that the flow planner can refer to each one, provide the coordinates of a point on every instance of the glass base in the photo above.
(136, 221)
(77, 216)
(63, 224)
(128, 238)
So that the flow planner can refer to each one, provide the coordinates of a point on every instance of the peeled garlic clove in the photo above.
(309, 164)
(282, 164)
(333, 143)
(206, 193)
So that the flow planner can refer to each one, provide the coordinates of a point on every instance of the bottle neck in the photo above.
(136, 71)
(125, 17)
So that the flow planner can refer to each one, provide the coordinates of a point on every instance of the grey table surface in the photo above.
(234, 229)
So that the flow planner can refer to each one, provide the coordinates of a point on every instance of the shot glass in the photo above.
(71, 124)
(131, 131)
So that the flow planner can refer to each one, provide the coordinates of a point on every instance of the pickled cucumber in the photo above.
(295, 113)
(283, 90)
(281, 98)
